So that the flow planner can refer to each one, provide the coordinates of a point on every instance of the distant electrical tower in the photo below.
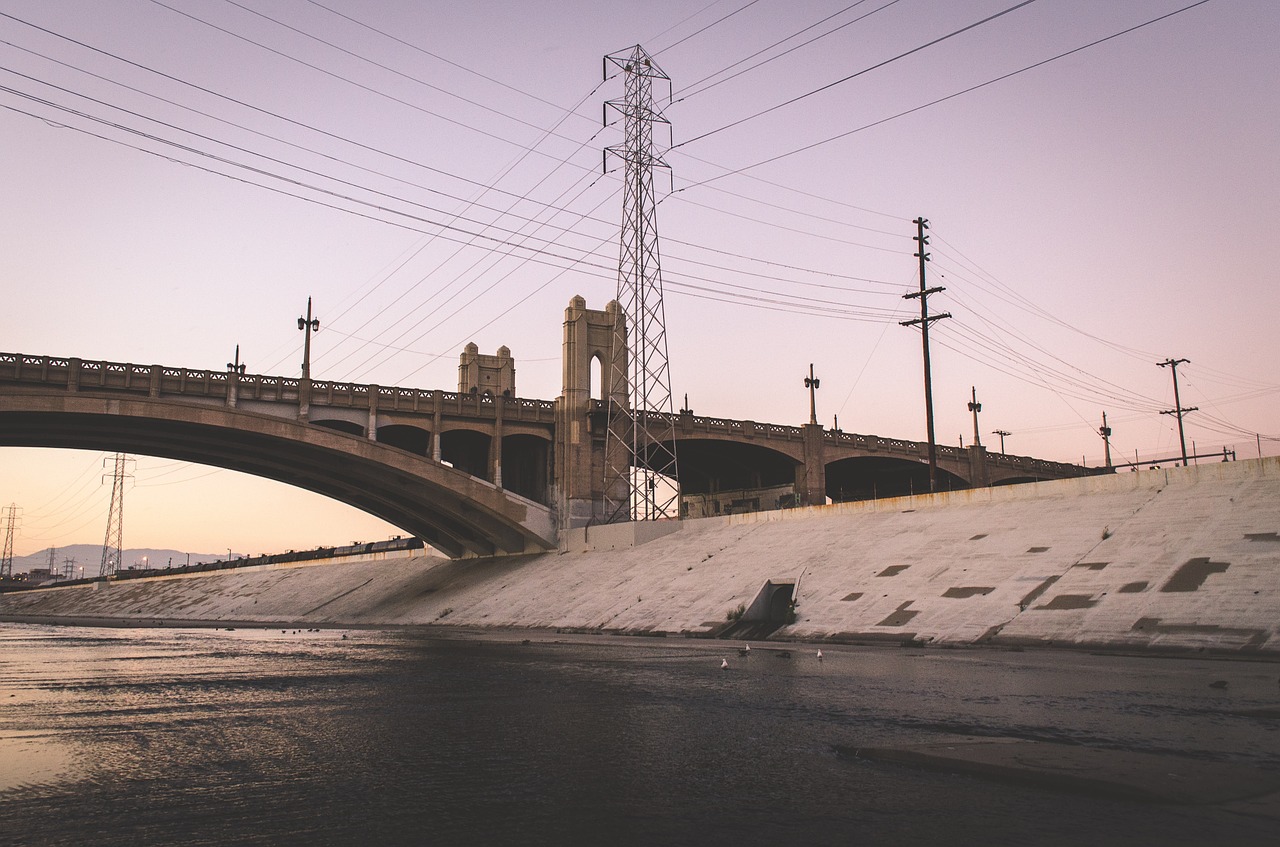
(10, 528)
(113, 543)
(640, 446)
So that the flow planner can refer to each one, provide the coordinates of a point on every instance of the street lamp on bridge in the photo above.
(975, 407)
(1002, 433)
(309, 324)
(811, 383)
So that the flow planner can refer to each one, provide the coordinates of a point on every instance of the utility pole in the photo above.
(975, 407)
(113, 542)
(1177, 403)
(10, 527)
(1002, 433)
(1105, 432)
(811, 383)
(924, 320)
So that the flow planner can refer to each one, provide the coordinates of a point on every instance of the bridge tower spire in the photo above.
(641, 480)
(113, 542)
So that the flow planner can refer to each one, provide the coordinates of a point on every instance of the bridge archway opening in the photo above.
(1015, 480)
(595, 387)
(877, 477)
(341, 426)
(415, 439)
(525, 467)
(468, 451)
(708, 466)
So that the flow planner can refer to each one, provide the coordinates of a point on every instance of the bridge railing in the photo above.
(158, 380)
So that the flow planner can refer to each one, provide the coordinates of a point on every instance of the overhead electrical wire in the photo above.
(714, 23)
(857, 74)
(694, 85)
(931, 103)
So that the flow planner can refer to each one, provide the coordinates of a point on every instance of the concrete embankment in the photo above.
(1177, 559)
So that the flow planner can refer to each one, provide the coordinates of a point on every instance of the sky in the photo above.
(1100, 182)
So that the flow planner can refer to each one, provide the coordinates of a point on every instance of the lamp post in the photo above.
(811, 383)
(309, 325)
(236, 367)
(975, 407)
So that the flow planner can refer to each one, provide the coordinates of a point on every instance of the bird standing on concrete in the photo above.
(724, 664)
(819, 655)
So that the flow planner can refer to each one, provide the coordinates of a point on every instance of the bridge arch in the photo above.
(707, 465)
(445, 507)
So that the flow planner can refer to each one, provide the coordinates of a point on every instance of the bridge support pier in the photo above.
(811, 477)
(979, 468)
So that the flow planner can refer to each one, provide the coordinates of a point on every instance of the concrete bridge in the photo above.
(478, 471)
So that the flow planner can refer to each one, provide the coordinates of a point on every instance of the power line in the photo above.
(857, 74)
(934, 102)
(792, 49)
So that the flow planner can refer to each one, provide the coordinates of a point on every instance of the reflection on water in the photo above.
(290, 737)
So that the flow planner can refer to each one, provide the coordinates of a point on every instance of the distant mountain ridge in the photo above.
(89, 557)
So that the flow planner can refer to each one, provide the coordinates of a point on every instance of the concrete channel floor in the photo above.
(1084, 770)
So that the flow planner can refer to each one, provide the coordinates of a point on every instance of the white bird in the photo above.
(724, 664)
(819, 655)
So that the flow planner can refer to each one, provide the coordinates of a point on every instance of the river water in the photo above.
(214, 737)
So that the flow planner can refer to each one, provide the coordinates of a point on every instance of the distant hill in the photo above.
(89, 557)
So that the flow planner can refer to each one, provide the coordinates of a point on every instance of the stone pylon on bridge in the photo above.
(594, 341)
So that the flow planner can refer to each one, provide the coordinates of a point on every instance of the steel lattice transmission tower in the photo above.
(641, 482)
(113, 543)
(10, 528)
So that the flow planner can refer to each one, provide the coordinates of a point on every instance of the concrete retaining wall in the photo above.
(1179, 559)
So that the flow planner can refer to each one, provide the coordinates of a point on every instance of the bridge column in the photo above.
(304, 399)
(495, 443)
(437, 415)
(811, 477)
(73, 374)
(153, 390)
(371, 432)
(979, 467)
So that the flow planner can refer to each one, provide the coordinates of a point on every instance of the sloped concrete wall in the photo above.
(1180, 559)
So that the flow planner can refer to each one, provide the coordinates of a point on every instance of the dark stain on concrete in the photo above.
(963, 592)
(1133, 587)
(1262, 536)
(1068, 601)
(1253, 637)
(851, 597)
(978, 537)
(1192, 575)
(1093, 566)
(893, 570)
(900, 617)
(1037, 549)
(1037, 591)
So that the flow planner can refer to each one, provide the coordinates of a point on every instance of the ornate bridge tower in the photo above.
(593, 340)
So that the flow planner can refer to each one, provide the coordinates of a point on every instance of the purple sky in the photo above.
(1090, 217)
